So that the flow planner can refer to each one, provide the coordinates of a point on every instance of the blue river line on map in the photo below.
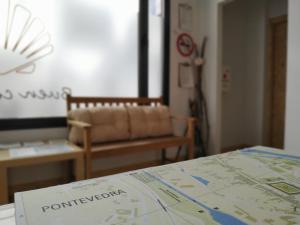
(218, 216)
(270, 154)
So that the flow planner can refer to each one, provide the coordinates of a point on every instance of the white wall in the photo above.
(205, 24)
(292, 126)
(212, 28)
(179, 96)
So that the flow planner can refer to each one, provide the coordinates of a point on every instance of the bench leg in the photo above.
(79, 168)
(163, 156)
(3, 186)
(191, 150)
(88, 168)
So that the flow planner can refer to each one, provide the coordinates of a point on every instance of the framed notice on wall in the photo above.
(185, 75)
(185, 17)
(49, 49)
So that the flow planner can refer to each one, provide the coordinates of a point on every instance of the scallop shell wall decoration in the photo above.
(23, 39)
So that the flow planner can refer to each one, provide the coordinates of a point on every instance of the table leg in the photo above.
(3, 186)
(163, 156)
(79, 168)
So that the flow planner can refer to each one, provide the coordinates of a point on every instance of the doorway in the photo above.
(254, 44)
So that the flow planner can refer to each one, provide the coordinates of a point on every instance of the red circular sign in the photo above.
(185, 44)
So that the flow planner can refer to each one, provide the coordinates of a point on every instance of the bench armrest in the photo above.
(87, 144)
(79, 124)
(189, 132)
(189, 121)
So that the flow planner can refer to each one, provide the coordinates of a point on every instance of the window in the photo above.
(156, 50)
(83, 47)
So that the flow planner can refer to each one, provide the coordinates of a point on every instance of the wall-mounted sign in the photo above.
(185, 44)
(226, 79)
(185, 75)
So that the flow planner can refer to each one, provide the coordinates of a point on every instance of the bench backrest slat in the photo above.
(71, 100)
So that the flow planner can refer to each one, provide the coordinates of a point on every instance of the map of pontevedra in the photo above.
(23, 39)
(244, 187)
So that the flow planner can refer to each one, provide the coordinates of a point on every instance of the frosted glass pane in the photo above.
(155, 48)
(86, 47)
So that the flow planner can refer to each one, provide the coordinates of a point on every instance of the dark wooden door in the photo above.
(278, 67)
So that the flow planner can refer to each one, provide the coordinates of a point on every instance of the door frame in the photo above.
(268, 77)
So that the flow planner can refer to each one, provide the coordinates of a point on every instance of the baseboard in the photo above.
(233, 148)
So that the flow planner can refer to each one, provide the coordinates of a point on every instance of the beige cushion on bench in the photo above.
(108, 124)
(158, 121)
(122, 123)
(137, 122)
(147, 121)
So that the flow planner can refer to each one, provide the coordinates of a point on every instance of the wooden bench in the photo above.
(93, 151)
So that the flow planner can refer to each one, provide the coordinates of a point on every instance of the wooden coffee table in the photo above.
(7, 214)
(7, 161)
